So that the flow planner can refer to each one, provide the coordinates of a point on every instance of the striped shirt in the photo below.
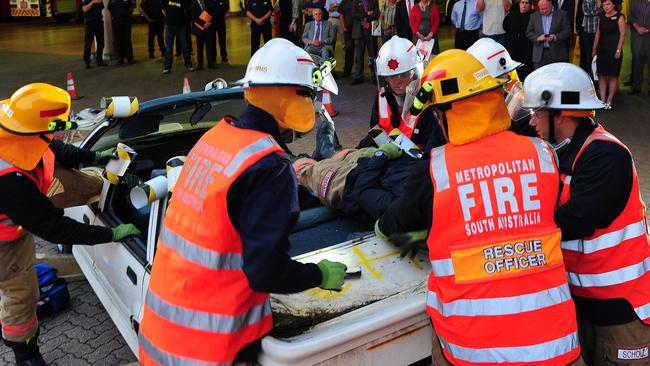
(590, 20)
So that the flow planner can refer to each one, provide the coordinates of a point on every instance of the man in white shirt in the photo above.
(494, 11)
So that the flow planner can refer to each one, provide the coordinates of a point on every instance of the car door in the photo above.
(120, 269)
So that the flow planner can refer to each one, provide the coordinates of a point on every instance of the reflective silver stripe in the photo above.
(533, 353)
(204, 321)
(4, 165)
(567, 179)
(614, 277)
(7, 222)
(245, 153)
(601, 136)
(197, 254)
(643, 311)
(439, 168)
(606, 241)
(442, 267)
(544, 155)
(167, 359)
(500, 305)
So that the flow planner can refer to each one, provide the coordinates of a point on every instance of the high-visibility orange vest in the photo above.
(406, 127)
(498, 290)
(614, 262)
(42, 176)
(199, 308)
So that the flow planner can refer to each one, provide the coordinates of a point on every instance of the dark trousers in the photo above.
(178, 32)
(94, 29)
(207, 39)
(259, 31)
(586, 45)
(122, 38)
(220, 28)
(640, 58)
(348, 47)
(360, 46)
(156, 30)
(284, 30)
(465, 38)
(545, 60)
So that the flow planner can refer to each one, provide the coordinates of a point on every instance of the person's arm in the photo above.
(86, 8)
(369, 193)
(69, 155)
(590, 7)
(26, 206)
(507, 4)
(455, 17)
(329, 36)
(373, 10)
(530, 30)
(417, 200)
(306, 40)
(264, 222)
(566, 31)
(594, 49)
(600, 188)
(143, 11)
(435, 20)
(622, 28)
(480, 5)
(415, 19)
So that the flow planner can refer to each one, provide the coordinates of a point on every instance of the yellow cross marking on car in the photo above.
(326, 294)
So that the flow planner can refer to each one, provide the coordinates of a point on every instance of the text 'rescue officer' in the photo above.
(603, 219)
(497, 272)
(224, 242)
(36, 185)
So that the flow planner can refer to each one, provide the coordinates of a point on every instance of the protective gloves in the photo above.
(333, 274)
(369, 153)
(105, 155)
(391, 150)
(410, 242)
(124, 230)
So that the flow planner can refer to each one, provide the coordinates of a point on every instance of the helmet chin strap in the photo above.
(557, 146)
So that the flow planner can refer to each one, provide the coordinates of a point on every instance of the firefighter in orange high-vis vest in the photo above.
(36, 183)
(601, 214)
(399, 67)
(224, 242)
(498, 291)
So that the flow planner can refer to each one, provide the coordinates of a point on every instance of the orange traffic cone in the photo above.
(71, 89)
(186, 86)
(327, 103)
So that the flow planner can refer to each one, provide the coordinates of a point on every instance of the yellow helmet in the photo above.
(456, 75)
(32, 108)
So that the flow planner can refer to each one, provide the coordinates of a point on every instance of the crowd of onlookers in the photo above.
(535, 32)
(170, 22)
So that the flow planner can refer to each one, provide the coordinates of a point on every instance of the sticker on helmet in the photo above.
(481, 74)
(393, 64)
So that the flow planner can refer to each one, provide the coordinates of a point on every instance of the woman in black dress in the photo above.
(519, 47)
(608, 46)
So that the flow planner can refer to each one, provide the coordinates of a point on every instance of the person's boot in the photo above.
(27, 352)
(327, 143)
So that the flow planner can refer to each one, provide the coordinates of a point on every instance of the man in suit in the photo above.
(402, 18)
(549, 30)
(569, 7)
(319, 35)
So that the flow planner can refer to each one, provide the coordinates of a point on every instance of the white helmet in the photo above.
(560, 86)
(398, 56)
(280, 62)
(493, 56)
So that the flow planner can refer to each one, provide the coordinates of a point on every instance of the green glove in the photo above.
(333, 274)
(392, 150)
(105, 155)
(410, 242)
(369, 153)
(124, 230)
(378, 232)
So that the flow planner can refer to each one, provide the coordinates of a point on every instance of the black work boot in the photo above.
(327, 143)
(27, 353)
